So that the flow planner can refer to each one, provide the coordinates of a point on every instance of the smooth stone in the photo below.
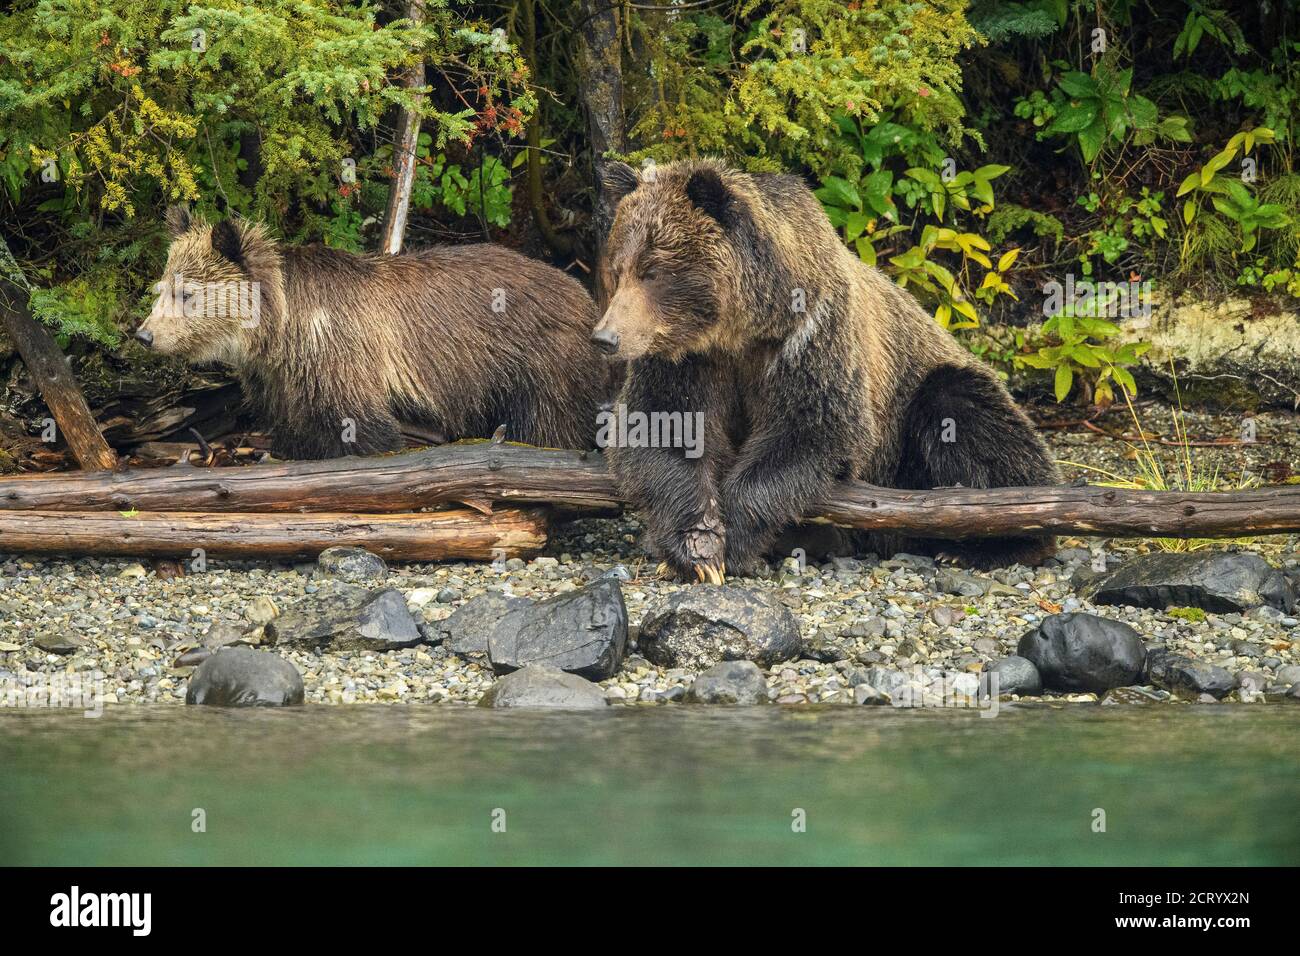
(193, 657)
(65, 642)
(351, 564)
(352, 619)
(1289, 674)
(731, 682)
(544, 687)
(241, 677)
(950, 581)
(1016, 675)
(1216, 581)
(1187, 677)
(708, 624)
(1083, 652)
(583, 632)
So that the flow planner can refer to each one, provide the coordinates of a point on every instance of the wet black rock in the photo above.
(583, 632)
(351, 564)
(731, 682)
(351, 619)
(1217, 581)
(544, 687)
(1189, 678)
(1083, 652)
(466, 631)
(242, 677)
(1015, 675)
(708, 624)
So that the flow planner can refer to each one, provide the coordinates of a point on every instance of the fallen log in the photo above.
(460, 534)
(473, 473)
(483, 473)
(48, 367)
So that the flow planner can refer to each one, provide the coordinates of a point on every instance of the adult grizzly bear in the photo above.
(335, 349)
(732, 295)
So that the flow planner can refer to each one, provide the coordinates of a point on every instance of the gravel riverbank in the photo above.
(133, 624)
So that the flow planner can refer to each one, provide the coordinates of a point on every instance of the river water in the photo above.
(655, 785)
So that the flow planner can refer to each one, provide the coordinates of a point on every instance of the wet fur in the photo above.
(382, 339)
(702, 263)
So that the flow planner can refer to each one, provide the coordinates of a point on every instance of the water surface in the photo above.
(667, 785)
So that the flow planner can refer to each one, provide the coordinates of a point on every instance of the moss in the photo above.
(1193, 615)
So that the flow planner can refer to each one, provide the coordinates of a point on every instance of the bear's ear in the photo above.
(617, 180)
(178, 220)
(228, 241)
(710, 194)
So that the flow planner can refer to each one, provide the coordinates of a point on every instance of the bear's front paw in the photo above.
(698, 553)
(706, 547)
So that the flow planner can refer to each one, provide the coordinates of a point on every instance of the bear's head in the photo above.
(670, 270)
(220, 284)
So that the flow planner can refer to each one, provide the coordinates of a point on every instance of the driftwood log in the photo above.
(460, 534)
(482, 474)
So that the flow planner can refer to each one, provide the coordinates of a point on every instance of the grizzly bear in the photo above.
(732, 295)
(334, 350)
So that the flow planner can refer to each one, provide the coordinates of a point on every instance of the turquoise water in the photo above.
(680, 784)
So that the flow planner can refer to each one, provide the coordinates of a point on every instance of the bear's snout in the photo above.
(606, 340)
(145, 336)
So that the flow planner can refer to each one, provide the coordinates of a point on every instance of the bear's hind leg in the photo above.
(335, 433)
(963, 428)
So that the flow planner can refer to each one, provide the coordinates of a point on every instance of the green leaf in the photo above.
(838, 192)
(1075, 117)
(1064, 381)
(1142, 111)
(1091, 139)
(876, 191)
(1078, 85)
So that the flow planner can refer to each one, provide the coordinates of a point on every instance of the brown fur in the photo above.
(374, 340)
(708, 267)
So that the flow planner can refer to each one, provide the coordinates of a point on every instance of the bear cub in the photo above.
(731, 295)
(334, 350)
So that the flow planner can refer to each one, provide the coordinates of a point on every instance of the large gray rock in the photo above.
(1187, 677)
(544, 687)
(466, 631)
(731, 682)
(709, 624)
(583, 632)
(351, 564)
(1083, 652)
(352, 619)
(242, 677)
(1219, 581)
